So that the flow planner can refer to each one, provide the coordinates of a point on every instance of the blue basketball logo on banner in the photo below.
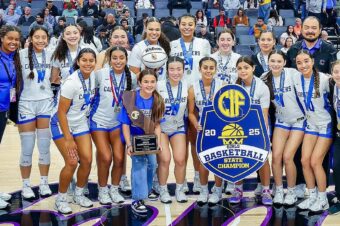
(234, 141)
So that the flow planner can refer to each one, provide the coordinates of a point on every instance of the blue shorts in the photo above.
(94, 126)
(299, 125)
(321, 131)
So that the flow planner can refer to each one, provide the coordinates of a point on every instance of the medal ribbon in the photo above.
(204, 96)
(279, 94)
(187, 54)
(174, 103)
(263, 63)
(252, 88)
(86, 91)
(70, 61)
(223, 68)
(41, 68)
(308, 100)
(117, 91)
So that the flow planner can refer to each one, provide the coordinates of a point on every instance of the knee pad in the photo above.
(44, 142)
(27, 146)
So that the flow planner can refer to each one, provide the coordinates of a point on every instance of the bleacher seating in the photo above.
(286, 13)
(279, 30)
(248, 40)
(289, 21)
(241, 30)
(141, 11)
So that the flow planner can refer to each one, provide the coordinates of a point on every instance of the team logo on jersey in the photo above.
(234, 142)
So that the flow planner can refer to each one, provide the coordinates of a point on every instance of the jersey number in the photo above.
(169, 111)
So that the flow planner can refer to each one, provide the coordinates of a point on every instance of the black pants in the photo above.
(3, 122)
(336, 164)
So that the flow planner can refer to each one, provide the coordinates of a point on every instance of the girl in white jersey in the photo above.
(35, 108)
(289, 126)
(175, 93)
(105, 129)
(200, 95)
(313, 91)
(192, 50)
(153, 36)
(259, 94)
(70, 130)
(225, 56)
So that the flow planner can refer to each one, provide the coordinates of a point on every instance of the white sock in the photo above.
(265, 188)
(43, 179)
(78, 191)
(114, 186)
(197, 174)
(61, 195)
(292, 188)
(204, 187)
(163, 187)
(26, 183)
(218, 189)
(322, 195)
(279, 187)
(179, 186)
(101, 189)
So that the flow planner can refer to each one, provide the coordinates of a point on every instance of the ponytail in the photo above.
(316, 82)
(30, 60)
(128, 78)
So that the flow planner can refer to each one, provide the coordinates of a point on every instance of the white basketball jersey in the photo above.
(226, 67)
(261, 94)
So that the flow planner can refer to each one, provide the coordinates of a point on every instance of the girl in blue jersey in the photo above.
(105, 129)
(259, 94)
(312, 88)
(151, 105)
(70, 131)
(200, 95)
(10, 81)
(289, 125)
(35, 108)
(175, 94)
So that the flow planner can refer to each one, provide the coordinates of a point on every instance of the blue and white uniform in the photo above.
(258, 92)
(81, 91)
(289, 113)
(175, 100)
(317, 109)
(36, 100)
(109, 90)
(135, 59)
(226, 66)
(201, 98)
(191, 53)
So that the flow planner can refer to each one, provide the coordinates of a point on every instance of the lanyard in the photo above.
(70, 61)
(308, 100)
(117, 91)
(86, 91)
(207, 101)
(41, 68)
(187, 54)
(252, 88)
(279, 94)
(222, 68)
(10, 76)
(263, 62)
(174, 102)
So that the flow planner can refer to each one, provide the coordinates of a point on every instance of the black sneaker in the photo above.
(139, 207)
(153, 196)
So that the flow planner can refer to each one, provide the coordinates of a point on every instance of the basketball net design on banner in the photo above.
(234, 141)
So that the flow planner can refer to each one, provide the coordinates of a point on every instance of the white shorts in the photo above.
(321, 131)
(108, 127)
(299, 125)
(76, 130)
(31, 110)
(170, 134)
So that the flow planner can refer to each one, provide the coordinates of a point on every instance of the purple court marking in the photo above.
(101, 220)
(265, 222)
(180, 217)
(322, 218)
(13, 223)
(153, 216)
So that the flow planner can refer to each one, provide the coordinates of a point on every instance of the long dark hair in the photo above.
(291, 33)
(315, 73)
(247, 60)
(197, 18)
(163, 40)
(126, 69)
(81, 53)
(3, 32)
(87, 33)
(30, 48)
(158, 106)
(61, 50)
(273, 13)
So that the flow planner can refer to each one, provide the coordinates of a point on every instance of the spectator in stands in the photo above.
(179, 3)
(48, 18)
(240, 18)
(316, 8)
(170, 29)
(298, 26)
(231, 4)
(11, 18)
(288, 43)
(26, 19)
(258, 28)
(284, 4)
(264, 9)
(69, 11)
(289, 33)
(205, 4)
(120, 7)
(88, 37)
(274, 19)
(125, 26)
(109, 23)
(201, 19)
(324, 36)
(39, 21)
(53, 9)
(144, 4)
(60, 26)
(330, 21)
(126, 15)
(90, 9)
(103, 37)
(72, 2)
(17, 9)
(205, 34)
(140, 24)
(250, 2)
(300, 4)
(221, 20)
(2, 22)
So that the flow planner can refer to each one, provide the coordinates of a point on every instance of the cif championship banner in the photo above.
(234, 141)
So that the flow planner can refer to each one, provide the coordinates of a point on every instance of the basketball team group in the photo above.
(74, 96)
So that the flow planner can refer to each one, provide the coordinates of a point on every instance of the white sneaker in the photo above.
(185, 187)
(164, 195)
(44, 190)
(278, 198)
(197, 185)
(4, 196)
(180, 196)
(27, 193)
(203, 197)
(230, 188)
(300, 191)
(258, 190)
(215, 197)
(61, 205)
(3, 204)
(290, 198)
(116, 197)
(104, 197)
(124, 184)
(319, 205)
(82, 200)
(308, 202)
